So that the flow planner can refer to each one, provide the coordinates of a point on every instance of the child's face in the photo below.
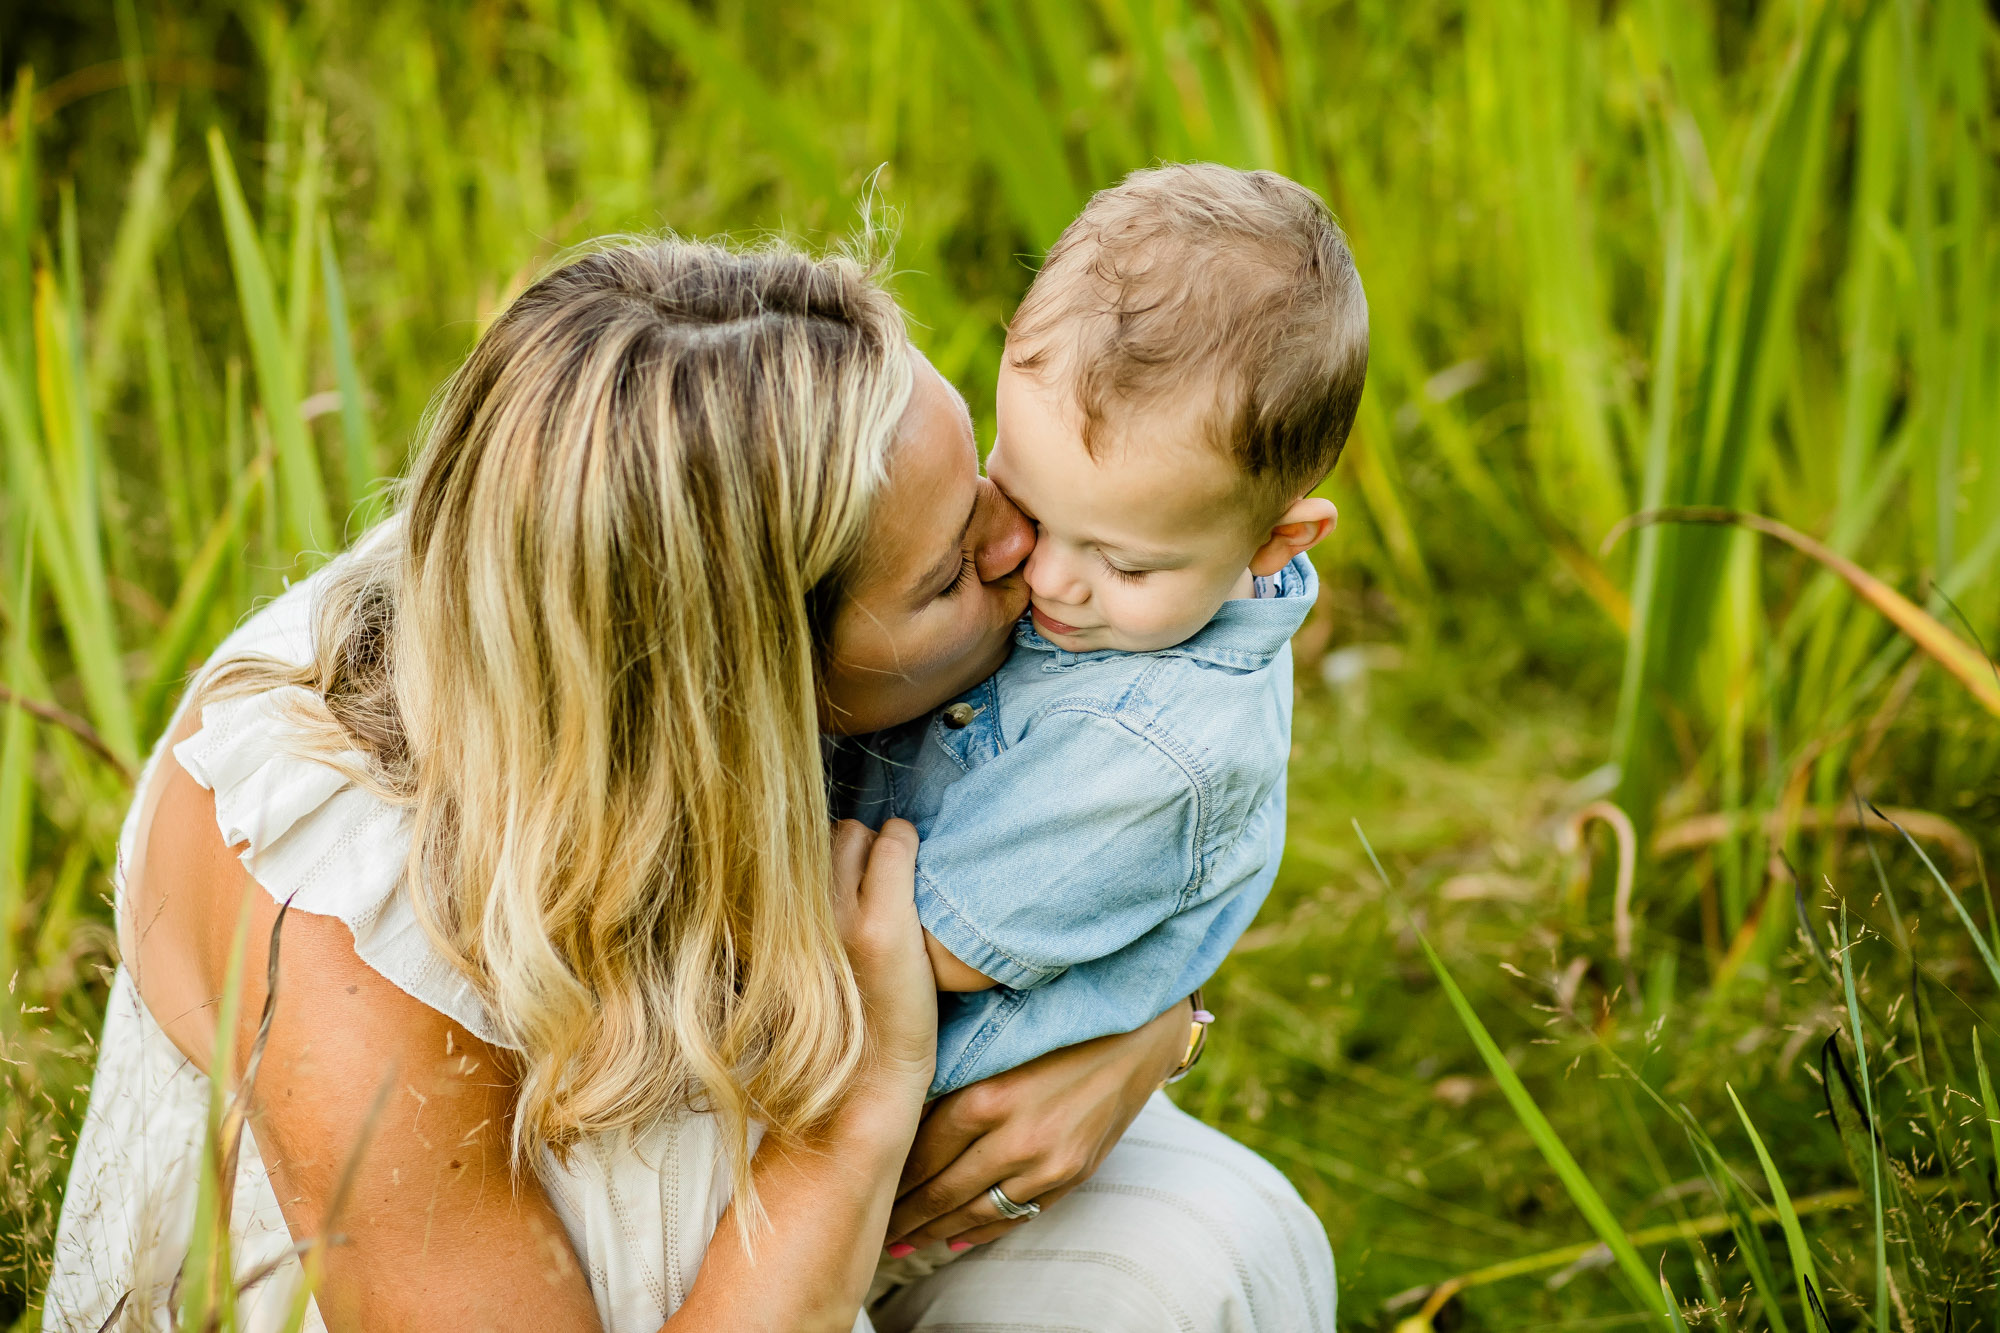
(1135, 549)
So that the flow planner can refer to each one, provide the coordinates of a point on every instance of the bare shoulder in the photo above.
(364, 1092)
(186, 895)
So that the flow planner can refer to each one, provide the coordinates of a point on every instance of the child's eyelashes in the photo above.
(1122, 575)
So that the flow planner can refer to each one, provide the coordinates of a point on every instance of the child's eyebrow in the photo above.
(1145, 555)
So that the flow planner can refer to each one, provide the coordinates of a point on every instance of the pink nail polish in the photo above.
(960, 1246)
(898, 1250)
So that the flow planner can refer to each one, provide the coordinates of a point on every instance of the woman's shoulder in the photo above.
(309, 832)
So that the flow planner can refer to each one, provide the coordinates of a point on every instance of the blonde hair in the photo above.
(587, 663)
(1195, 271)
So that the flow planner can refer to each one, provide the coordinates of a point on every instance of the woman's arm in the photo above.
(1038, 1132)
(828, 1200)
(435, 1231)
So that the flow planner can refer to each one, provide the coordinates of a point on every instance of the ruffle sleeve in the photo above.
(309, 835)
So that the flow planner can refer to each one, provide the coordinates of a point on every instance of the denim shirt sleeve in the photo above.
(1098, 844)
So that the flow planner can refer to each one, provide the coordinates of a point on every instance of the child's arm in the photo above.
(951, 974)
(1069, 845)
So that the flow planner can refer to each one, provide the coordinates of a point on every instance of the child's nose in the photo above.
(1054, 577)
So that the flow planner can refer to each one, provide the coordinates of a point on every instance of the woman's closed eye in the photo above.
(968, 572)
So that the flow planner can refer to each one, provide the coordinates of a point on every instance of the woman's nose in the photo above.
(1005, 540)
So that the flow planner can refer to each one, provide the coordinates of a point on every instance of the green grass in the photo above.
(1620, 257)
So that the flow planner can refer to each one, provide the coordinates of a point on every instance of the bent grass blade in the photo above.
(1969, 667)
(1781, 1200)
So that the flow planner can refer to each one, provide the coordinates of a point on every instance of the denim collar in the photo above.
(1246, 633)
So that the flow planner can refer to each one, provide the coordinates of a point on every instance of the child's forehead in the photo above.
(1181, 427)
(1151, 478)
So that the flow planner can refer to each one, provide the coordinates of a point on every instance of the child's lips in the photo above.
(1048, 624)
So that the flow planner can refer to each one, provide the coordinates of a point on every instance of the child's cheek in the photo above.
(1156, 612)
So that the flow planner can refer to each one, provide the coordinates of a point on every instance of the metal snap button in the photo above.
(958, 716)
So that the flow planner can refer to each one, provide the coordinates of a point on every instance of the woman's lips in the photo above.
(1049, 624)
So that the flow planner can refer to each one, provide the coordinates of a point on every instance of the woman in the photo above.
(538, 769)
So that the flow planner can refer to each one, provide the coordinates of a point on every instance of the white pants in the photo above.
(1183, 1228)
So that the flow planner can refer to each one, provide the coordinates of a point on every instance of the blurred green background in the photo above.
(1619, 255)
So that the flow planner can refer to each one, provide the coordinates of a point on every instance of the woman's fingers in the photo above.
(1046, 1125)
(952, 1124)
(891, 873)
(852, 841)
(955, 1198)
(875, 880)
(979, 1219)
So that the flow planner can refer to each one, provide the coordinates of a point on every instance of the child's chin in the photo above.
(1155, 640)
(1122, 641)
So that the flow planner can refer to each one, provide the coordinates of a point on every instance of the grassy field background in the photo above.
(1620, 256)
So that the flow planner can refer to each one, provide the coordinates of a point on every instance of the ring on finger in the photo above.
(1010, 1210)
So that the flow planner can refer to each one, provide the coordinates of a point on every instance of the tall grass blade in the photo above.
(1661, 415)
(201, 588)
(1013, 128)
(1868, 1104)
(1965, 917)
(75, 576)
(17, 752)
(1745, 1215)
(1588, 1201)
(301, 494)
(305, 247)
(1781, 1200)
(336, 1207)
(205, 1285)
(111, 1320)
(782, 127)
(355, 433)
(1987, 1102)
(131, 258)
(1581, 1191)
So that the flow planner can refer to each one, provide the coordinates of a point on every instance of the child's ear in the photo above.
(1302, 527)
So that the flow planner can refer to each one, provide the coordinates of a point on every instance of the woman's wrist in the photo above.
(883, 1106)
(1166, 1036)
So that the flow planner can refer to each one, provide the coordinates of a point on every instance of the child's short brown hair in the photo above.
(1199, 269)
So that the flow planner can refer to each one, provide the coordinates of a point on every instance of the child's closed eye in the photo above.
(1125, 575)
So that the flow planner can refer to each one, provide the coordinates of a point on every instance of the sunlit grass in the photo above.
(1620, 258)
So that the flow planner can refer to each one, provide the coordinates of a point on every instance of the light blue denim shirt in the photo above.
(1100, 832)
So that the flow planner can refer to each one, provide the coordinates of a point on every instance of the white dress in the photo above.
(1182, 1228)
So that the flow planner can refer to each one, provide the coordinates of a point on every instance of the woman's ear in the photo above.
(1300, 528)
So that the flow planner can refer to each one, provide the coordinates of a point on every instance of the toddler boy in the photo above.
(1103, 816)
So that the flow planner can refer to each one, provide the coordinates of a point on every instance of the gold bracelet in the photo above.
(1197, 1038)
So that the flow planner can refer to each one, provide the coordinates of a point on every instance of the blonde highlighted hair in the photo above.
(586, 662)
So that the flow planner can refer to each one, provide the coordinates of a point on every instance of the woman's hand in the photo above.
(1037, 1132)
(873, 879)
